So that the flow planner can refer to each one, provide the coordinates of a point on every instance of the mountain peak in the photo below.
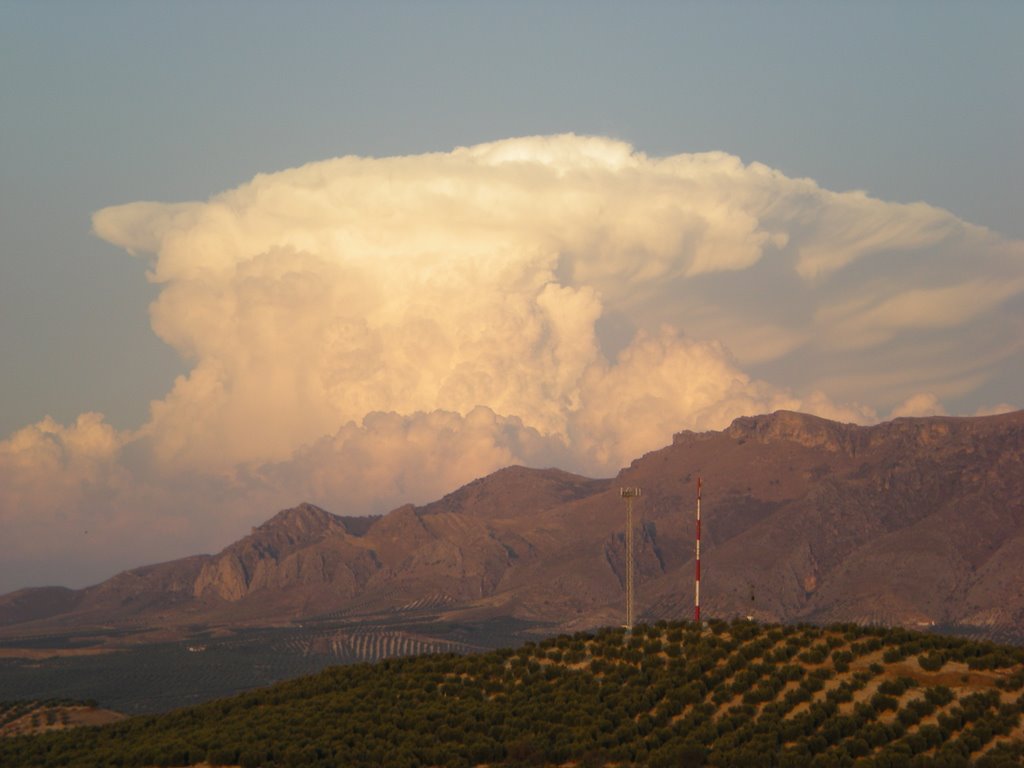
(254, 562)
(306, 519)
(289, 530)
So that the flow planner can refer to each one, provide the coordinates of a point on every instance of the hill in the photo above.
(30, 717)
(671, 694)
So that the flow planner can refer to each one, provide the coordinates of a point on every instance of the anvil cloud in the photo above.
(364, 332)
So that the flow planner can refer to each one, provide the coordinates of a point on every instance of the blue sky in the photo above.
(130, 101)
(110, 103)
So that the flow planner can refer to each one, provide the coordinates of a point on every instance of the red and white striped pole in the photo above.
(696, 590)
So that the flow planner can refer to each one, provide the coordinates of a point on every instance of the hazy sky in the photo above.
(394, 246)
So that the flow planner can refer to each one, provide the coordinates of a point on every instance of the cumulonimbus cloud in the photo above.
(364, 332)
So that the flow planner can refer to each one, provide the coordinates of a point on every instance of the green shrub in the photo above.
(933, 661)
(893, 655)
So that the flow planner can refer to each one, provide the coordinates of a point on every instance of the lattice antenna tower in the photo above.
(629, 494)
(696, 584)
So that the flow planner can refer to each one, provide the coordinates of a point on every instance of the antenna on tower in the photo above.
(696, 585)
(629, 494)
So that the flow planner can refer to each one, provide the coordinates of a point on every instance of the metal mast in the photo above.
(696, 586)
(629, 494)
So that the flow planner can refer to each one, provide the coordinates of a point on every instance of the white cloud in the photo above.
(850, 226)
(995, 410)
(45, 464)
(389, 458)
(869, 320)
(920, 404)
(364, 332)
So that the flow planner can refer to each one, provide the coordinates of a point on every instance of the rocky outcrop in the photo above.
(224, 577)
(301, 547)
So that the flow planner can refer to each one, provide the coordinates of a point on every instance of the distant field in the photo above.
(153, 678)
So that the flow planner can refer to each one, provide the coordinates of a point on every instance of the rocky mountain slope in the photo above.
(914, 522)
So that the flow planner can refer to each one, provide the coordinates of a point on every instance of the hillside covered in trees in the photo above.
(671, 694)
(26, 717)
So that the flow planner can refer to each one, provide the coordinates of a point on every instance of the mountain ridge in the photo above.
(916, 522)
